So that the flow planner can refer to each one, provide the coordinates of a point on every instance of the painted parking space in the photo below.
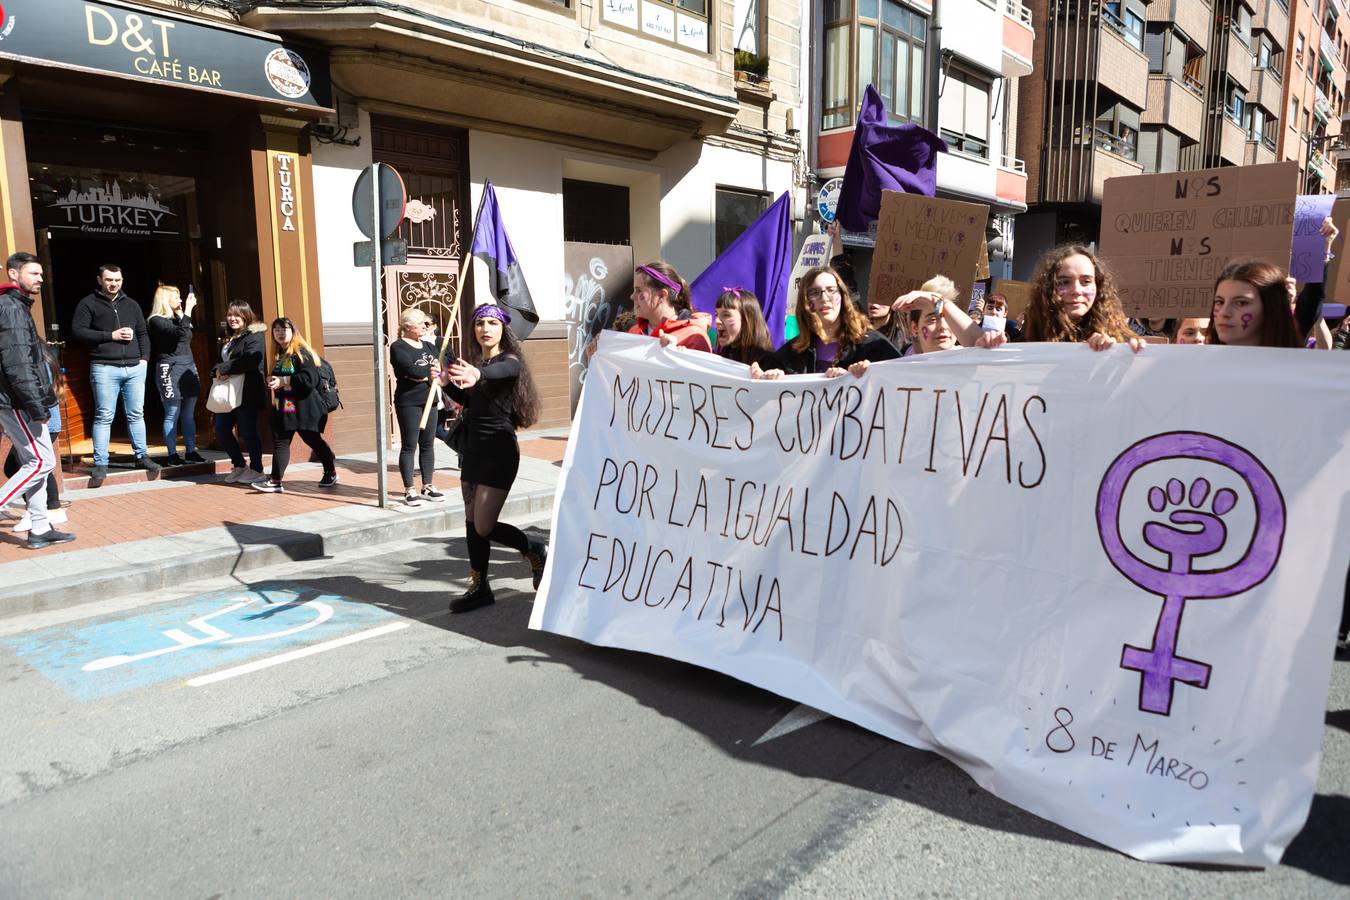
(200, 640)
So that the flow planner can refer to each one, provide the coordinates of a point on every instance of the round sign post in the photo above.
(378, 204)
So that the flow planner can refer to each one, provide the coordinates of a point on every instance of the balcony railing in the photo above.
(1192, 84)
(1316, 160)
(1329, 51)
(1016, 10)
(1105, 140)
(1322, 106)
(1012, 163)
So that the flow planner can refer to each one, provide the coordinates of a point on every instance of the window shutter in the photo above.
(1154, 47)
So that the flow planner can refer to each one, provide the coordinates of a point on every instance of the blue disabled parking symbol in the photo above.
(223, 633)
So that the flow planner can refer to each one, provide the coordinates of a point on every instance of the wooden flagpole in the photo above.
(454, 310)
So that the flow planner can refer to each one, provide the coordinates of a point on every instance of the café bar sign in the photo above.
(151, 45)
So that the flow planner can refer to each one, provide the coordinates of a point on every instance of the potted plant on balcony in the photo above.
(752, 69)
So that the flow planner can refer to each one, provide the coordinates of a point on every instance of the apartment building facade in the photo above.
(951, 66)
(1130, 87)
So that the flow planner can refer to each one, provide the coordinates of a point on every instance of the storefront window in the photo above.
(681, 22)
(92, 203)
(736, 211)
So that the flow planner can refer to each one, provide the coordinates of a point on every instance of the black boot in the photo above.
(536, 556)
(479, 594)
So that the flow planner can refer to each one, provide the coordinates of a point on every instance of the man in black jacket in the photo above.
(112, 325)
(26, 398)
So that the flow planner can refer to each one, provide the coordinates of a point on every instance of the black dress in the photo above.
(491, 454)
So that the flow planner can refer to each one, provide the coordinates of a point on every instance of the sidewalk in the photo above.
(143, 536)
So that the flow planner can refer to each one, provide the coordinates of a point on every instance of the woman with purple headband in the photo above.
(493, 385)
(661, 303)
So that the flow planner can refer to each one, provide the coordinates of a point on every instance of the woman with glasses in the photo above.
(661, 301)
(416, 367)
(297, 406)
(835, 337)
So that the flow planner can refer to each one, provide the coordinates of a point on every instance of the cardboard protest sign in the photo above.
(1338, 273)
(1308, 253)
(982, 264)
(919, 237)
(815, 252)
(1167, 237)
(1018, 294)
(1112, 611)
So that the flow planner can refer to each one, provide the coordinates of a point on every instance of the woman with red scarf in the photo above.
(661, 304)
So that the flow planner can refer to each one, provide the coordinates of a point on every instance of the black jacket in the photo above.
(25, 379)
(96, 318)
(247, 356)
(299, 406)
(170, 336)
(873, 348)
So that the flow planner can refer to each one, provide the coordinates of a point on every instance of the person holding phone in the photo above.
(416, 367)
(170, 326)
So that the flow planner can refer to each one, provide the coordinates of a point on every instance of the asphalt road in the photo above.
(425, 754)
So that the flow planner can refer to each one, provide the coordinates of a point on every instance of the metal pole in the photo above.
(376, 297)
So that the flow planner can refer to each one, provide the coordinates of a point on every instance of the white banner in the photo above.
(1105, 585)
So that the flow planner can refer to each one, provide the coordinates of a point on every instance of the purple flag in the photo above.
(885, 158)
(506, 281)
(760, 260)
(1308, 254)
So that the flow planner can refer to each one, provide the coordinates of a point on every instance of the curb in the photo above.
(147, 568)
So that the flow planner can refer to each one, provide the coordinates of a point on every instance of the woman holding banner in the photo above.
(661, 301)
(1074, 299)
(1255, 304)
(494, 386)
(742, 334)
(835, 336)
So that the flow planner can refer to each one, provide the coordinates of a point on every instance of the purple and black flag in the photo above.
(500, 277)
(885, 158)
(760, 260)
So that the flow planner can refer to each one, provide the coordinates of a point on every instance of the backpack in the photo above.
(328, 389)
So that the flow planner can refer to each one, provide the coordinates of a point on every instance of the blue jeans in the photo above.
(247, 420)
(110, 383)
(179, 418)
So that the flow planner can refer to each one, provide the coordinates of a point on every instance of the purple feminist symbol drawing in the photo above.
(1197, 530)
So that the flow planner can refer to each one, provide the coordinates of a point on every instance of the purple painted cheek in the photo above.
(1247, 321)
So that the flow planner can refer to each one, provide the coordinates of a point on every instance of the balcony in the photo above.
(1232, 143)
(1019, 37)
(493, 66)
(1121, 67)
(1011, 185)
(1108, 165)
(1240, 61)
(1272, 18)
(1175, 105)
(1322, 107)
(1188, 15)
(1268, 90)
(1317, 162)
(1258, 154)
(1330, 53)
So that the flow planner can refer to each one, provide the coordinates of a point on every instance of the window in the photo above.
(1268, 57)
(890, 53)
(963, 112)
(1293, 111)
(1125, 22)
(1261, 126)
(1116, 130)
(1159, 150)
(680, 22)
(736, 211)
(1242, 24)
(1236, 105)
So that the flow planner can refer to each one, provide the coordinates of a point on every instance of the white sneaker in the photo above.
(236, 473)
(24, 524)
(57, 516)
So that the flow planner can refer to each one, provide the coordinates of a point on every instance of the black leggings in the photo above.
(281, 451)
(13, 465)
(420, 443)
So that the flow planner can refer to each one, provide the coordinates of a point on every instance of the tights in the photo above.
(482, 506)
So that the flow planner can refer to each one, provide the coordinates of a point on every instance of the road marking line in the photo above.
(268, 661)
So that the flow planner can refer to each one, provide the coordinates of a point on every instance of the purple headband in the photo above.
(489, 310)
(657, 276)
(735, 291)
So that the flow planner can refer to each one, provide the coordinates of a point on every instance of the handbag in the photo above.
(226, 395)
(457, 438)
